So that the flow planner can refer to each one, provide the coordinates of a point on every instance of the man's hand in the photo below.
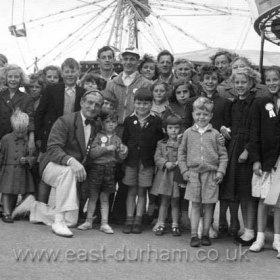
(219, 177)
(78, 169)
(257, 168)
(243, 157)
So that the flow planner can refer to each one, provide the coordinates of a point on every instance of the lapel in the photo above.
(79, 94)
(79, 132)
(59, 99)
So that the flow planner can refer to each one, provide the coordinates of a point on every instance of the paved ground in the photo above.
(95, 255)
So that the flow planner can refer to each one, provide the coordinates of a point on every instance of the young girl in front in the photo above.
(15, 164)
(237, 182)
(264, 150)
(164, 184)
(160, 102)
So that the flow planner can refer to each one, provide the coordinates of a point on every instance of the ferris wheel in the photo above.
(85, 25)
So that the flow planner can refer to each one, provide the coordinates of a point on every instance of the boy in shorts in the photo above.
(202, 160)
(142, 131)
(106, 150)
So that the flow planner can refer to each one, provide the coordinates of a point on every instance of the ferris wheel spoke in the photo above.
(172, 24)
(103, 24)
(70, 35)
(63, 12)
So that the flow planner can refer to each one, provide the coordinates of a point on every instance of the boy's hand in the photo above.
(243, 157)
(186, 176)
(111, 148)
(219, 177)
(123, 149)
(23, 160)
(226, 132)
(170, 165)
(257, 168)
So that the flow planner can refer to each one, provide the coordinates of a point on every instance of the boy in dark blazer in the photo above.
(142, 130)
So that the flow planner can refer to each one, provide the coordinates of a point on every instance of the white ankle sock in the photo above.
(260, 236)
(248, 234)
(276, 238)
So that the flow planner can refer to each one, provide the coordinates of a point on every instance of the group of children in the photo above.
(187, 146)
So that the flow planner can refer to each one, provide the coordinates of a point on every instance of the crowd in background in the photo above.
(135, 148)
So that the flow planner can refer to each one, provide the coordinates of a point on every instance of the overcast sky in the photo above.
(214, 31)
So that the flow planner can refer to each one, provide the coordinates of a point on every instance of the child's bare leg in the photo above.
(249, 213)
(262, 220)
(90, 211)
(207, 219)
(262, 215)
(175, 211)
(104, 201)
(141, 204)
(276, 240)
(195, 216)
(223, 224)
(277, 221)
(234, 220)
(130, 204)
(164, 204)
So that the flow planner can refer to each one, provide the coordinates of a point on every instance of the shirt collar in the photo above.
(83, 119)
(131, 76)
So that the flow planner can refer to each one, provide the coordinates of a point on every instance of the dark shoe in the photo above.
(159, 230)
(137, 228)
(239, 241)
(176, 231)
(127, 228)
(195, 241)
(223, 229)
(6, 218)
(206, 241)
(233, 232)
(147, 219)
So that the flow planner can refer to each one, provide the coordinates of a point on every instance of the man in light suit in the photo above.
(62, 167)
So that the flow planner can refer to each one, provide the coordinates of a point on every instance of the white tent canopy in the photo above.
(203, 56)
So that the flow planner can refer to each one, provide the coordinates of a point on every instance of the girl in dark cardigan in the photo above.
(264, 151)
(237, 182)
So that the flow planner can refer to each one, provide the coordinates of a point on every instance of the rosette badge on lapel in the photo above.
(269, 107)
(135, 122)
(104, 140)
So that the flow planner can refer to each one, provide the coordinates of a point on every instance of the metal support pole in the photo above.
(262, 52)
